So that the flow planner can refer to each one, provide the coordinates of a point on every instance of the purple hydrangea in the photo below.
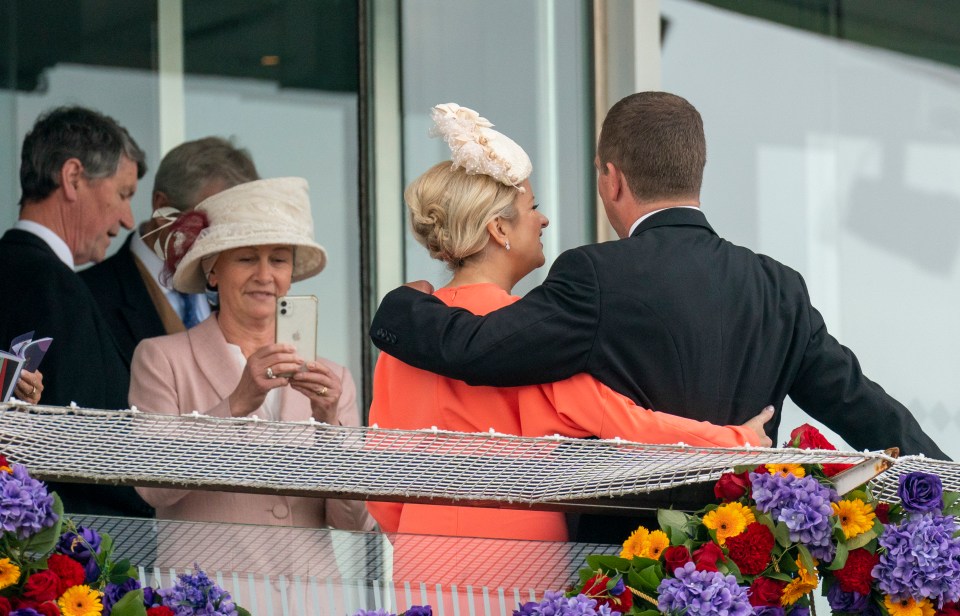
(704, 593)
(82, 546)
(803, 505)
(921, 559)
(114, 592)
(196, 594)
(419, 610)
(799, 610)
(26, 507)
(556, 604)
(25, 611)
(377, 612)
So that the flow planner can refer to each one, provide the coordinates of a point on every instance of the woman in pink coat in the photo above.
(248, 243)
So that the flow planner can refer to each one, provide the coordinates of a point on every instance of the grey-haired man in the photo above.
(78, 172)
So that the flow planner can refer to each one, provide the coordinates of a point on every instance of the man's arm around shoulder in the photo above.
(546, 336)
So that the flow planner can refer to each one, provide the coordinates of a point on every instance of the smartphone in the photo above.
(297, 324)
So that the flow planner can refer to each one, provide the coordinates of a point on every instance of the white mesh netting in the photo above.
(133, 448)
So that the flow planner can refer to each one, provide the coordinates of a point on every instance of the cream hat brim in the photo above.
(259, 213)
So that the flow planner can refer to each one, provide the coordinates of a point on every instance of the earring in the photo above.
(507, 245)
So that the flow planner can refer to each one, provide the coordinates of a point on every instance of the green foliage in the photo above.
(130, 604)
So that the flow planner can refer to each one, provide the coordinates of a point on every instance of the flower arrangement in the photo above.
(51, 567)
(777, 532)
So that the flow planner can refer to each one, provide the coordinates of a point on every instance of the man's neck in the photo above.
(645, 210)
(47, 215)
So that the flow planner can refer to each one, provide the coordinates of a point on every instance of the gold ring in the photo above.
(323, 392)
(33, 391)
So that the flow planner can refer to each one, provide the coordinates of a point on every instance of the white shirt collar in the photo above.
(51, 239)
(636, 224)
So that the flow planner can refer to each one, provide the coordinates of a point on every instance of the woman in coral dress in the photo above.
(479, 215)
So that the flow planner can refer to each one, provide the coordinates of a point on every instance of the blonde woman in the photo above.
(478, 214)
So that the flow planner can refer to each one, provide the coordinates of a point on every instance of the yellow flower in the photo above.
(729, 520)
(856, 516)
(645, 544)
(80, 601)
(908, 607)
(633, 546)
(9, 573)
(656, 544)
(805, 582)
(786, 469)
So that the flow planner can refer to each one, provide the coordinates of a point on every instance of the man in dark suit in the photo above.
(671, 315)
(78, 172)
(129, 287)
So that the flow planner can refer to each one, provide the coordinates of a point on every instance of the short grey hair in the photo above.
(187, 168)
(95, 139)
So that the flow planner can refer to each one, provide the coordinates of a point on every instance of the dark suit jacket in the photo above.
(674, 317)
(120, 292)
(83, 364)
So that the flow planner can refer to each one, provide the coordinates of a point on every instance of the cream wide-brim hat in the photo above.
(259, 213)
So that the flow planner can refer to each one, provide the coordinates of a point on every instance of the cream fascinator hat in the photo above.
(479, 149)
(272, 211)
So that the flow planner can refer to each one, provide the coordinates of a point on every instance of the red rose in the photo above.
(732, 486)
(675, 557)
(761, 470)
(808, 437)
(47, 608)
(160, 610)
(883, 513)
(751, 548)
(41, 586)
(5, 607)
(596, 588)
(949, 609)
(855, 575)
(707, 557)
(766, 592)
(69, 571)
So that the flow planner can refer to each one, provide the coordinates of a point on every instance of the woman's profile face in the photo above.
(524, 232)
(250, 279)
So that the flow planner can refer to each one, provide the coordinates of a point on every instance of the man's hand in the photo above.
(756, 424)
(420, 285)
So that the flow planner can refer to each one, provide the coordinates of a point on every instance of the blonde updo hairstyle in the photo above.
(450, 209)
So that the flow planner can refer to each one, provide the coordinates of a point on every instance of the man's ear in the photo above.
(160, 199)
(615, 181)
(71, 174)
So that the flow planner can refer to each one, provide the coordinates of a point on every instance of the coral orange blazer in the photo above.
(405, 397)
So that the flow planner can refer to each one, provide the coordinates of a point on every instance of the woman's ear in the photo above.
(495, 229)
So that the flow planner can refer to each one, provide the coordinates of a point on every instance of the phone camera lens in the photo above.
(283, 311)
(284, 304)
